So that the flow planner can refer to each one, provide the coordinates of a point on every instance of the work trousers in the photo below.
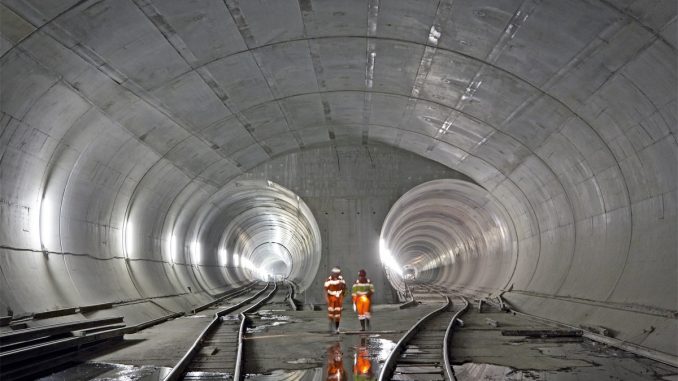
(334, 307)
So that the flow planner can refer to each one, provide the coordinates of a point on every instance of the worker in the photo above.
(335, 363)
(362, 299)
(362, 364)
(335, 290)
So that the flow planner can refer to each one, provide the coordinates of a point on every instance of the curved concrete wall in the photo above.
(254, 230)
(450, 232)
(120, 119)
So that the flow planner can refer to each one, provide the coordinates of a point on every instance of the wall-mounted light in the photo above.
(129, 238)
(173, 249)
(387, 258)
(47, 232)
(196, 252)
(223, 257)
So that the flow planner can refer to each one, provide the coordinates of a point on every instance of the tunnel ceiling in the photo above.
(128, 115)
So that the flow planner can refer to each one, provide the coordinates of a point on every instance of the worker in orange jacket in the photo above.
(335, 290)
(362, 299)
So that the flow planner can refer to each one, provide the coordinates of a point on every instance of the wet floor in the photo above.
(351, 357)
(296, 346)
(109, 372)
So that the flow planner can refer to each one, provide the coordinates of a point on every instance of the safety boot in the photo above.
(367, 323)
(362, 325)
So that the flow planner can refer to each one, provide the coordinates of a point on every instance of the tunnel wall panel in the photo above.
(37, 282)
(652, 259)
(150, 278)
(100, 281)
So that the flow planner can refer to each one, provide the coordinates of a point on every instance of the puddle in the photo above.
(208, 376)
(359, 358)
(264, 327)
(366, 352)
(274, 317)
(335, 369)
(230, 318)
(315, 374)
(109, 372)
(268, 312)
(271, 319)
(379, 348)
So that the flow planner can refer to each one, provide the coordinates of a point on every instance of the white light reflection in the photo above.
(172, 248)
(433, 36)
(129, 238)
(196, 253)
(387, 258)
(47, 223)
(223, 257)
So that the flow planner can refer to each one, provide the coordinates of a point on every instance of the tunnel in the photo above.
(156, 155)
(450, 232)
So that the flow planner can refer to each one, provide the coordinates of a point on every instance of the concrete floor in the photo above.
(480, 352)
(295, 345)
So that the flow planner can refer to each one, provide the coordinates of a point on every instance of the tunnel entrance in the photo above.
(448, 232)
(274, 260)
(253, 230)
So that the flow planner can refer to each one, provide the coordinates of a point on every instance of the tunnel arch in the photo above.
(452, 233)
(563, 111)
(248, 226)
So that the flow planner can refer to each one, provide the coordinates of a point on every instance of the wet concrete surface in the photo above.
(107, 371)
(301, 347)
(480, 352)
(286, 345)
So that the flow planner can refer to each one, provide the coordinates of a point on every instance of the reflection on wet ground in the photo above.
(363, 367)
(209, 376)
(265, 319)
(105, 371)
(357, 357)
(315, 374)
(336, 370)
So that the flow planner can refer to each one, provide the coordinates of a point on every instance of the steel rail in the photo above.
(237, 374)
(178, 370)
(227, 295)
(448, 336)
(389, 364)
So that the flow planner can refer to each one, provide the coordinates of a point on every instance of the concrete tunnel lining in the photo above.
(565, 112)
(239, 219)
(452, 233)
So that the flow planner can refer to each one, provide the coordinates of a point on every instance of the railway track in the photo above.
(217, 353)
(422, 353)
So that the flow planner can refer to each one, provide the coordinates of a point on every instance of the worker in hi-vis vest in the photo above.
(335, 289)
(362, 299)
